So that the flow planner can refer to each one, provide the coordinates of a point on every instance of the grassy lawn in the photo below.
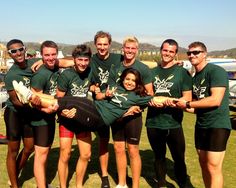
(92, 178)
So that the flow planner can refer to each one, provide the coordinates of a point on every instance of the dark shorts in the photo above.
(212, 139)
(128, 129)
(44, 135)
(18, 124)
(87, 118)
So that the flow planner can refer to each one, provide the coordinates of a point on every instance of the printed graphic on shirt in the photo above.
(53, 87)
(199, 91)
(103, 75)
(118, 98)
(27, 81)
(81, 90)
(164, 85)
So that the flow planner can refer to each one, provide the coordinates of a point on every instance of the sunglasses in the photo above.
(194, 52)
(13, 51)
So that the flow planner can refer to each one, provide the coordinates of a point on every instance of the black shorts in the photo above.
(44, 135)
(87, 118)
(212, 139)
(128, 129)
(18, 124)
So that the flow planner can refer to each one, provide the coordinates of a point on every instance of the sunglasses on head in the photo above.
(13, 51)
(196, 52)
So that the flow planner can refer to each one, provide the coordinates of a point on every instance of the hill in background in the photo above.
(143, 47)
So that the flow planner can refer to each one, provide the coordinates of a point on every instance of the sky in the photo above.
(151, 21)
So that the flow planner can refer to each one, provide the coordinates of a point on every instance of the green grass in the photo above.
(92, 178)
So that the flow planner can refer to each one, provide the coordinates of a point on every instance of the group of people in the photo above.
(121, 88)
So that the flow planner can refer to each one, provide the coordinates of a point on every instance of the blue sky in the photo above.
(152, 21)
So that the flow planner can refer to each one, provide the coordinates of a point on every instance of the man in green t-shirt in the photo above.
(128, 130)
(164, 124)
(44, 81)
(17, 116)
(210, 103)
(76, 82)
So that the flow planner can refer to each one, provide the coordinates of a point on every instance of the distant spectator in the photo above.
(30, 53)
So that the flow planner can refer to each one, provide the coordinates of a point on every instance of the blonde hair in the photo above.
(131, 39)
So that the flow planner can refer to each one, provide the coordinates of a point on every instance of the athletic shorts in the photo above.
(44, 135)
(212, 139)
(18, 124)
(128, 129)
(64, 132)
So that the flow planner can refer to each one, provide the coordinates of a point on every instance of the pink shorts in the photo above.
(66, 133)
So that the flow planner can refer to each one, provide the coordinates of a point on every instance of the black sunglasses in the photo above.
(13, 51)
(194, 52)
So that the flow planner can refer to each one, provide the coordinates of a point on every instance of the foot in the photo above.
(120, 186)
(23, 93)
(105, 182)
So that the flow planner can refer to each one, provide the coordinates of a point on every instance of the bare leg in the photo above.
(211, 165)
(40, 160)
(103, 155)
(135, 163)
(65, 153)
(121, 161)
(13, 149)
(84, 145)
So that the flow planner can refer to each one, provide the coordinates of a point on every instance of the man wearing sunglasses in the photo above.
(16, 115)
(212, 130)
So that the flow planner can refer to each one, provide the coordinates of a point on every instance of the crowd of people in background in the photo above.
(112, 83)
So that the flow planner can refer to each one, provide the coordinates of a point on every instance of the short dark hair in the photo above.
(14, 41)
(171, 42)
(102, 34)
(48, 44)
(82, 50)
(198, 44)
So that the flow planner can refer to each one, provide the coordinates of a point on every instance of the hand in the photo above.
(171, 102)
(110, 93)
(69, 113)
(35, 101)
(179, 63)
(132, 110)
(181, 104)
(36, 65)
(156, 104)
(97, 89)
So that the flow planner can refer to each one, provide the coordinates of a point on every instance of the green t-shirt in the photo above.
(73, 83)
(122, 100)
(46, 80)
(209, 77)
(18, 74)
(116, 71)
(170, 82)
(101, 68)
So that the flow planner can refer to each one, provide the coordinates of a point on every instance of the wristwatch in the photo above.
(188, 104)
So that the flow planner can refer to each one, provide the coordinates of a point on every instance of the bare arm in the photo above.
(63, 63)
(214, 100)
(14, 99)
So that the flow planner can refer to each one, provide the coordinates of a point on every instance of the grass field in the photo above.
(92, 178)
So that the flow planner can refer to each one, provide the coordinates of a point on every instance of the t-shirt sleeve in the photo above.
(38, 80)
(218, 77)
(187, 80)
(62, 82)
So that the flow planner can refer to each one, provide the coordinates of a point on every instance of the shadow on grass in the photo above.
(94, 166)
(51, 171)
(148, 172)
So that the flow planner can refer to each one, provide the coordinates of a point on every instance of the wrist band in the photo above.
(188, 104)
